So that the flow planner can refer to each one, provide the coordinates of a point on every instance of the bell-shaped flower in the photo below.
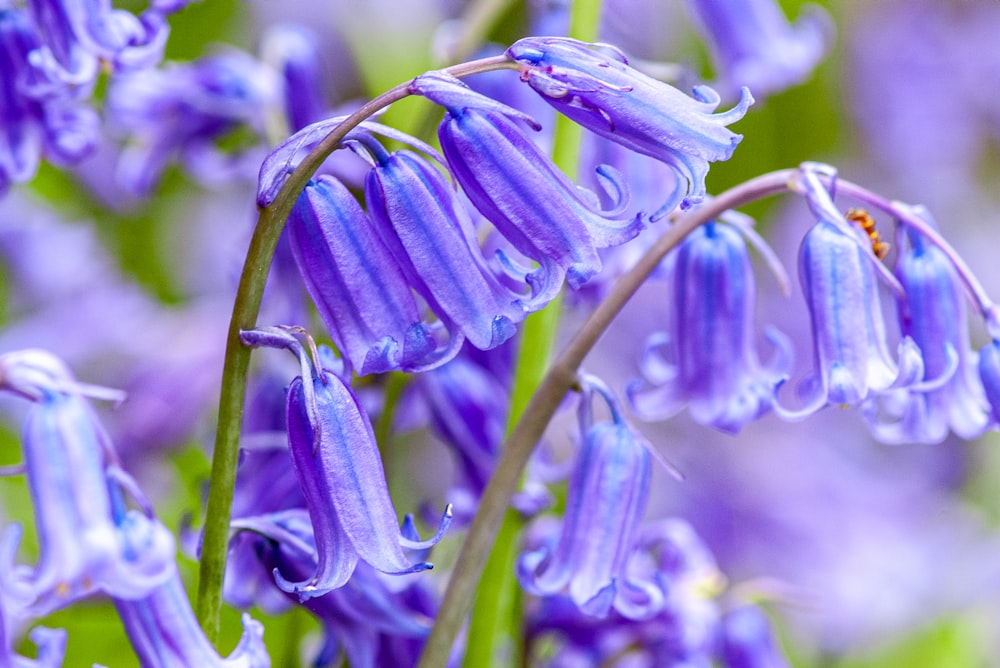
(850, 346)
(933, 314)
(517, 187)
(421, 220)
(709, 360)
(747, 640)
(594, 86)
(754, 45)
(358, 287)
(88, 542)
(605, 504)
(164, 632)
(77, 35)
(180, 113)
(36, 121)
(989, 375)
(357, 618)
(294, 52)
(15, 598)
(339, 467)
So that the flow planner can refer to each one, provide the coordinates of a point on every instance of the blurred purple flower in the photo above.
(710, 361)
(88, 541)
(185, 111)
(165, 632)
(605, 504)
(746, 640)
(518, 189)
(36, 120)
(753, 44)
(294, 53)
(593, 85)
(989, 375)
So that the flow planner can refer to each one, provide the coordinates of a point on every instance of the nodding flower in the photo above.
(593, 85)
(358, 287)
(418, 215)
(754, 45)
(837, 270)
(338, 465)
(88, 541)
(933, 313)
(517, 187)
(605, 504)
(709, 360)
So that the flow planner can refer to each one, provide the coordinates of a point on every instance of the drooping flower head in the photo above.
(594, 85)
(88, 541)
(517, 188)
(754, 45)
(605, 504)
(358, 287)
(418, 215)
(340, 470)
(709, 360)
(933, 314)
(837, 270)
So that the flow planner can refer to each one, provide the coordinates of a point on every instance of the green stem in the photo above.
(557, 382)
(246, 307)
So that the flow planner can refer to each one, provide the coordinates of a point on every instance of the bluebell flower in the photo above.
(517, 187)
(372, 620)
(36, 121)
(339, 468)
(420, 219)
(837, 270)
(15, 598)
(164, 632)
(746, 640)
(605, 504)
(754, 45)
(708, 360)
(88, 541)
(933, 313)
(181, 113)
(77, 35)
(293, 51)
(358, 287)
(594, 85)
(989, 375)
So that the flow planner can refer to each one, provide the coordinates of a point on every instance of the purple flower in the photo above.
(933, 314)
(419, 217)
(165, 632)
(605, 504)
(36, 120)
(594, 85)
(357, 285)
(373, 617)
(518, 189)
(340, 471)
(88, 541)
(708, 360)
(837, 272)
(989, 374)
(754, 45)
(746, 640)
(295, 53)
(15, 597)
(182, 112)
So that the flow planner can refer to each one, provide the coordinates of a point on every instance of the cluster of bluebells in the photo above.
(90, 541)
(427, 259)
(51, 54)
